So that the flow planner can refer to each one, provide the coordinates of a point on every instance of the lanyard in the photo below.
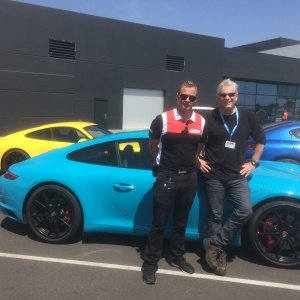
(226, 126)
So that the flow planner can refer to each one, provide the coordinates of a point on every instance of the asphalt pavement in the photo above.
(106, 266)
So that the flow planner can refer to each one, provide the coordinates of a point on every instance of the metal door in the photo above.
(100, 112)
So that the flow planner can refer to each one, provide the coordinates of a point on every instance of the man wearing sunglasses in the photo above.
(224, 168)
(175, 137)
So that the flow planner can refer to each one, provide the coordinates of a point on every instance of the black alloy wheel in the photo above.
(53, 214)
(274, 232)
(13, 157)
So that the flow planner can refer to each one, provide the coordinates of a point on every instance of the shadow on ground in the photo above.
(138, 243)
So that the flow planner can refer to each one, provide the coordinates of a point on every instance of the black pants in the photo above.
(171, 191)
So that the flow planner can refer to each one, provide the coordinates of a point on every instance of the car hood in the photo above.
(279, 169)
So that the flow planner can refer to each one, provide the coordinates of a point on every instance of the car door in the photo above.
(132, 190)
(131, 185)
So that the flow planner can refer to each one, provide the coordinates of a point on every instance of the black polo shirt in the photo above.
(178, 139)
(226, 163)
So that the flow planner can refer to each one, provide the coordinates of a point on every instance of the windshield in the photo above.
(96, 131)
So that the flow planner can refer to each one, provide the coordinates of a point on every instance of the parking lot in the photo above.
(104, 266)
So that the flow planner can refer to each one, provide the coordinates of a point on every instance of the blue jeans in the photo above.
(218, 192)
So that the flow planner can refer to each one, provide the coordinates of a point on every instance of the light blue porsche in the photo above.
(105, 185)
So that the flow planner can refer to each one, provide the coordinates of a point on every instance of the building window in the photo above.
(298, 91)
(246, 87)
(266, 89)
(270, 100)
(291, 90)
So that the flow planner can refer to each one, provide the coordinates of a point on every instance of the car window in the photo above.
(96, 131)
(66, 134)
(42, 134)
(135, 154)
(100, 154)
(135, 145)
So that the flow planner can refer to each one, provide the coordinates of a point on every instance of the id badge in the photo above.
(230, 144)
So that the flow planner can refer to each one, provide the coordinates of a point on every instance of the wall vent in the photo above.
(62, 49)
(175, 63)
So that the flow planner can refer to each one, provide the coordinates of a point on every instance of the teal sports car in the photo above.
(105, 185)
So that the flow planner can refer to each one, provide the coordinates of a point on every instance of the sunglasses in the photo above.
(184, 97)
(223, 95)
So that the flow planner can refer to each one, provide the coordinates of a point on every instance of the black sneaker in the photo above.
(149, 273)
(221, 263)
(211, 253)
(182, 265)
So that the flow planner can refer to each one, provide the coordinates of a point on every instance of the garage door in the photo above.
(140, 106)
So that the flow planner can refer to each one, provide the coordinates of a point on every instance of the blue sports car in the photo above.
(283, 142)
(105, 185)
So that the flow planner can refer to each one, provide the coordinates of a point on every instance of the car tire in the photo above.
(289, 160)
(53, 214)
(12, 157)
(274, 233)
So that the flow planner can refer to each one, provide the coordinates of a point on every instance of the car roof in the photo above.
(118, 136)
(281, 125)
(76, 124)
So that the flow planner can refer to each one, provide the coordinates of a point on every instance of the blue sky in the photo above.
(239, 22)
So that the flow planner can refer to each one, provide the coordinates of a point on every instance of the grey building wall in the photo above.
(266, 45)
(110, 55)
(261, 67)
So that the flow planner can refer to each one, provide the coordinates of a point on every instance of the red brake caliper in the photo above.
(67, 216)
(268, 226)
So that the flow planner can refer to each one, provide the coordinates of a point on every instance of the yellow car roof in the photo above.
(75, 124)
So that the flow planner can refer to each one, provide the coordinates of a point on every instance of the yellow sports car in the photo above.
(27, 143)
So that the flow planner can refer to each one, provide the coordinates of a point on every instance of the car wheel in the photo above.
(289, 160)
(12, 157)
(53, 214)
(274, 232)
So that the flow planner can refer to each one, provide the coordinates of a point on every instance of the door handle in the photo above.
(121, 187)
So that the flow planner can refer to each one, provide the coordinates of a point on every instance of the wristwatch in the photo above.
(254, 163)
